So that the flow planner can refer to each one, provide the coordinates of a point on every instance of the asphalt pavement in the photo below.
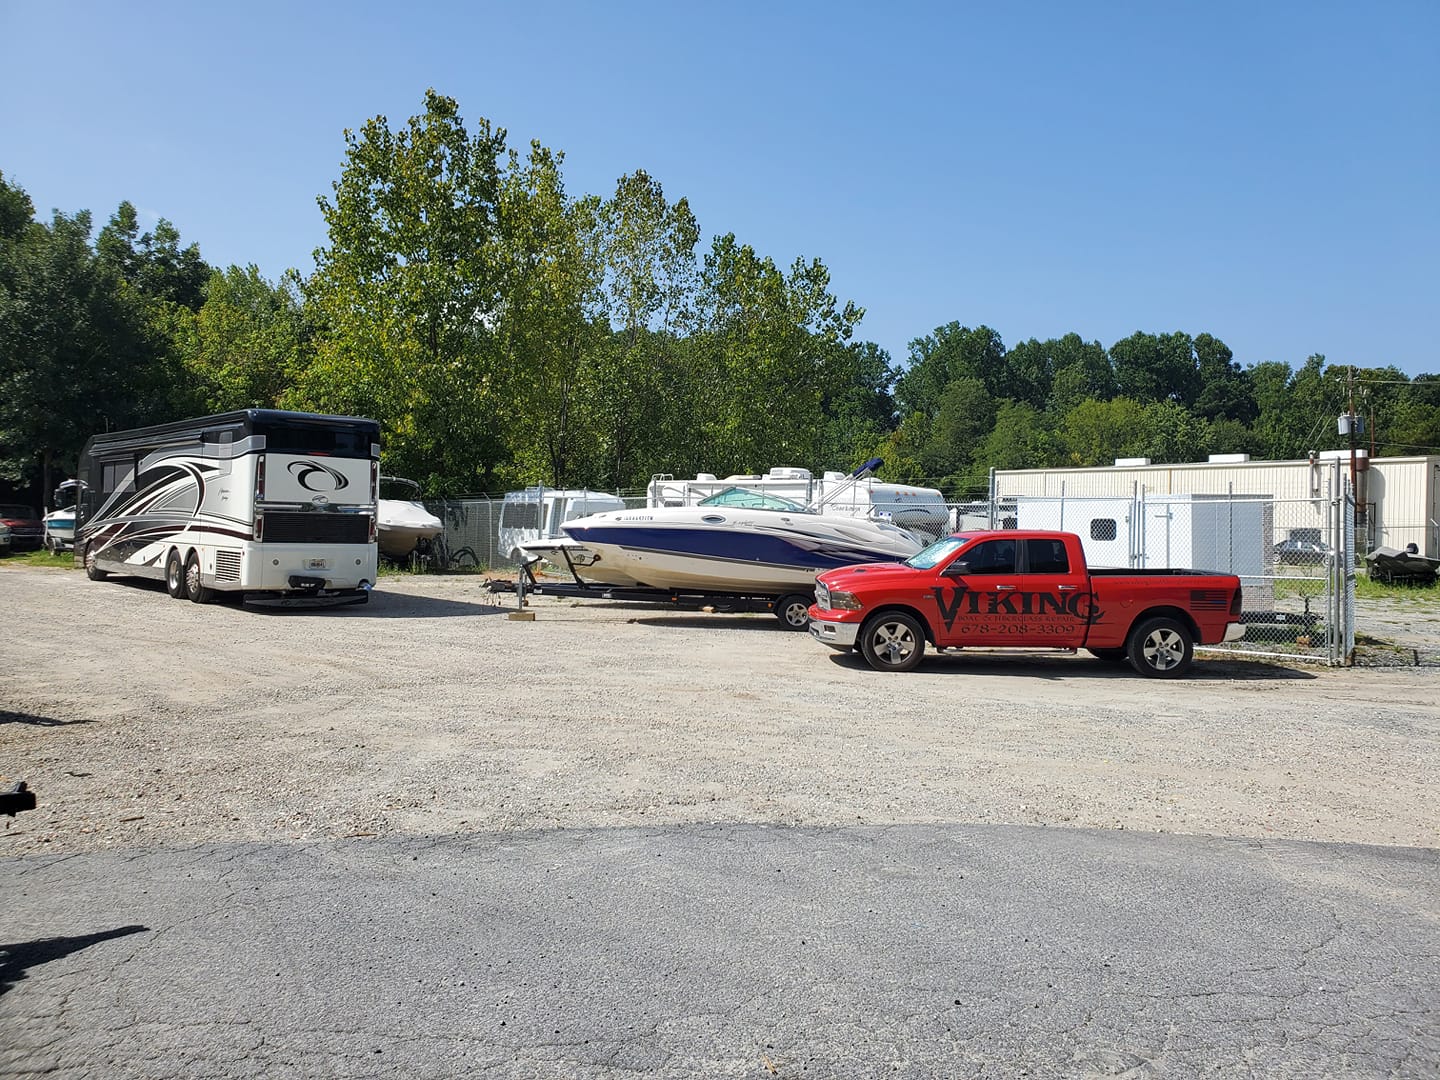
(749, 951)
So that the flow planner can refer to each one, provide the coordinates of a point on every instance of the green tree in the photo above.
(1226, 390)
(407, 296)
(1021, 438)
(966, 414)
(951, 352)
(74, 354)
(1156, 367)
(246, 346)
(643, 388)
(1098, 432)
(764, 358)
(857, 405)
(153, 263)
(549, 326)
(1174, 434)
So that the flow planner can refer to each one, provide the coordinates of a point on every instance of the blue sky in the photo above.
(1266, 172)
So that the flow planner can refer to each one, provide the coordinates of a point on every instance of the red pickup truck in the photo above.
(1023, 589)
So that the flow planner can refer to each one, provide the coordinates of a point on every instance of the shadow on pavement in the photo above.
(17, 959)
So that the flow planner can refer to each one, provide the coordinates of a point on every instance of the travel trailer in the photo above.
(921, 510)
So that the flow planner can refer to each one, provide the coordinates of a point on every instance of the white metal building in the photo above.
(1399, 498)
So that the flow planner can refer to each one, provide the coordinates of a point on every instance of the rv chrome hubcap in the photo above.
(192, 577)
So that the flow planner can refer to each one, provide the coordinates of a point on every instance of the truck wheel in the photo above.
(194, 587)
(892, 641)
(175, 576)
(1161, 648)
(92, 570)
(1110, 656)
(793, 611)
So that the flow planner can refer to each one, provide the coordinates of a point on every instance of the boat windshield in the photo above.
(940, 550)
(745, 499)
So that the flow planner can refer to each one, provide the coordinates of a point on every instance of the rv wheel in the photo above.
(92, 571)
(194, 586)
(175, 576)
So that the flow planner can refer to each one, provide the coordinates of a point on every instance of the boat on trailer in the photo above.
(737, 541)
(403, 525)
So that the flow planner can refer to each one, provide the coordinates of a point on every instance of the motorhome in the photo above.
(259, 502)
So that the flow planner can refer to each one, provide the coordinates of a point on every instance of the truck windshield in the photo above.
(939, 551)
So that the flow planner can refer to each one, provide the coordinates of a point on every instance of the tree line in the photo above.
(506, 332)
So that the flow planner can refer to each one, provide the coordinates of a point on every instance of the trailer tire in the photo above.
(194, 585)
(175, 575)
(793, 611)
(92, 569)
(892, 641)
(1161, 648)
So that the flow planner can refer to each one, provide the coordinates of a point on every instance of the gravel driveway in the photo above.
(144, 721)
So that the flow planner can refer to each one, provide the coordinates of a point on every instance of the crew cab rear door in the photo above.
(1056, 596)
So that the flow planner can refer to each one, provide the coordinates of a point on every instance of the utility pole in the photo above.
(1351, 426)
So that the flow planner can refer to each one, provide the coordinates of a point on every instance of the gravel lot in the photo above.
(143, 721)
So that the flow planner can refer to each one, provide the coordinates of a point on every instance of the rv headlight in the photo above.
(844, 601)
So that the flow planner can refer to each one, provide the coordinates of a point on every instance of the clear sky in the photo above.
(1268, 172)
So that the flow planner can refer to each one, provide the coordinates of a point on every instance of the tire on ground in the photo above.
(1161, 648)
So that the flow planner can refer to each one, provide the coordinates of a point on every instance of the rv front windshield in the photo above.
(745, 499)
(928, 558)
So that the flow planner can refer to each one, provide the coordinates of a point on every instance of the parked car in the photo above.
(5, 539)
(1302, 552)
(27, 531)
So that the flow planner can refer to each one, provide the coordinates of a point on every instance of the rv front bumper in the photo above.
(838, 635)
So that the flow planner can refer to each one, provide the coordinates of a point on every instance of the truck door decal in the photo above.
(1062, 608)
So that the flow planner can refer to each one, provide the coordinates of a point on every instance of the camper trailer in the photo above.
(535, 514)
(920, 510)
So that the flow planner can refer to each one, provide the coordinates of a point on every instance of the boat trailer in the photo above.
(790, 607)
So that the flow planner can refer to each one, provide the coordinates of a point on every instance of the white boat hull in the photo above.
(402, 525)
(712, 549)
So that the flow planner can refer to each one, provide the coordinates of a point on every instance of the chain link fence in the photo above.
(1295, 558)
(475, 532)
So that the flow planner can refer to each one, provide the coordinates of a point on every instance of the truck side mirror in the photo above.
(959, 568)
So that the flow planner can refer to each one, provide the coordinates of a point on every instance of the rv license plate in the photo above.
(317, 564)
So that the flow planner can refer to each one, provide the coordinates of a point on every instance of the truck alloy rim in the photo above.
(1163, 650)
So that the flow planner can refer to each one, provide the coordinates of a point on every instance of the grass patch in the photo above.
(65, 560)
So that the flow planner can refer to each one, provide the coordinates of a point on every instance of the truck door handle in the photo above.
(1004, 588)
(1068, 588)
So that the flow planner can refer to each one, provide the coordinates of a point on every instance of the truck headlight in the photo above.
(843, 601)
